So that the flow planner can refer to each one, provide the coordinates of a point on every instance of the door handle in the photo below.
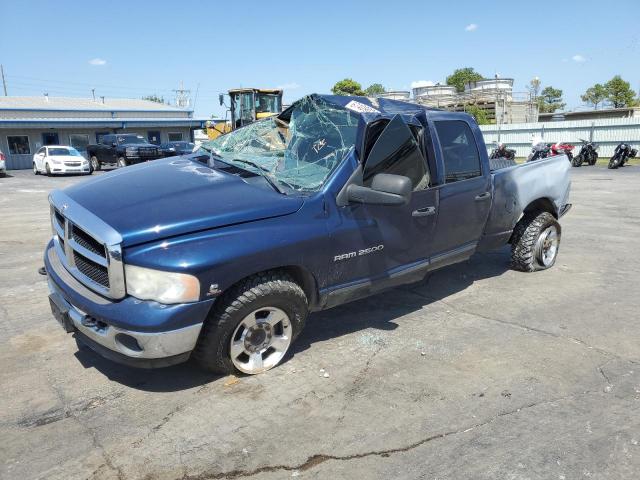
(483, 196)
(424, 212)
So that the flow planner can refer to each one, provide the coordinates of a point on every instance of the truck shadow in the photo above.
(382, 311)
(379, 312)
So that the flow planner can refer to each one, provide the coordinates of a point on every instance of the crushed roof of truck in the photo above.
(369, 108)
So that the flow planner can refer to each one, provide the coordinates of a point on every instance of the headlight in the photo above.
(163, 287)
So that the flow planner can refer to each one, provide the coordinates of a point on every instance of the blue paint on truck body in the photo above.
(180, 215)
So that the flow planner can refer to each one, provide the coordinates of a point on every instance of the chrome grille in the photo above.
(92, 270)
(87, 241)
(87, 247)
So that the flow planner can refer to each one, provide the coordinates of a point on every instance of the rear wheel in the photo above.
(252, 325)
(535, 242)
(594, 159)
(95, 163)
(122, 162)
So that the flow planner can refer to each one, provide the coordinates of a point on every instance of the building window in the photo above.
(175, 136)
(19, 145)
(79, 141)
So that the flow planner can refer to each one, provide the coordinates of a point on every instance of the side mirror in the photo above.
(386, 189)
(114, 144)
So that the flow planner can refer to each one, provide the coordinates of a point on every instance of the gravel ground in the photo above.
(478, 372)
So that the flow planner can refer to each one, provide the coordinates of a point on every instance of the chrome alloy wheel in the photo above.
(260, 340)
(547, 246)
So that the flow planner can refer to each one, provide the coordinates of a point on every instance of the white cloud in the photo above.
(472, 27)
(578, 58)
(289, 86)
(422, 83)
(97, 62)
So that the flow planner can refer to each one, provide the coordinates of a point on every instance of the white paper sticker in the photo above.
(360, 107)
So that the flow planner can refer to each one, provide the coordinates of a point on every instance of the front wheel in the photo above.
(47, 169)
(535, 242)
(35, 169)
(95, 164)
(122, 162)
(613, 162)
(577, 161)
(253, 325)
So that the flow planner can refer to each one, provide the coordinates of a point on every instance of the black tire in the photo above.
(94, 163)
(35, 169)
(268, 289)
(47, 169)
(613, 163)
(577, 161)
(500, 163)
(122, 162)
(525, 254)
(594, 159)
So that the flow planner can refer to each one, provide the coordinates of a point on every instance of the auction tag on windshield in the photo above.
(360, 107)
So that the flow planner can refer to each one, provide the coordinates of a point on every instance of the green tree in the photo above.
(550, 100)
(478, 113)
(461, 76)
(534, 87)
(595, 95)
(374, 89)
(347, 87)
(154, 98)
(619, 92)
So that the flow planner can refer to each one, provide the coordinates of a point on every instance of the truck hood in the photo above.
(175, 196)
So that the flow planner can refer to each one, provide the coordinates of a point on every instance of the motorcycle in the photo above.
(501, 151)
(538, 151)
(588, 153)
(562, 148)
(621, 155)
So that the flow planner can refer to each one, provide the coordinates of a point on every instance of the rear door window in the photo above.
(459, 150)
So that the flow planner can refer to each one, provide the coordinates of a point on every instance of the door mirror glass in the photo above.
(396, 151)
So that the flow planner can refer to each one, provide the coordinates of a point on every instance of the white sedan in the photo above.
(54, 159)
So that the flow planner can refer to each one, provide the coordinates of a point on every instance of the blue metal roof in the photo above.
(93, 122)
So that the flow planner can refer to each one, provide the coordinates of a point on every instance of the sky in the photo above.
(136, 48)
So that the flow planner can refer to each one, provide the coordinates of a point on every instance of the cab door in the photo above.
(375, 246)
(465, 197)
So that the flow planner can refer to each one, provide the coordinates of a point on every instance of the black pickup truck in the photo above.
(122, 150)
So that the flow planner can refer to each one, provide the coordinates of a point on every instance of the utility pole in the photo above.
(93, 93)
(4, 82)
(182, 96)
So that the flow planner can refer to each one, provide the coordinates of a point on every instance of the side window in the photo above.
(397, 151)
(461, 157)
(41, 151)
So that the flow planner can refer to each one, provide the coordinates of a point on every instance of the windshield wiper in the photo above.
(263, 172)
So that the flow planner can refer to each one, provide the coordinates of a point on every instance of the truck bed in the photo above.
(517, 186)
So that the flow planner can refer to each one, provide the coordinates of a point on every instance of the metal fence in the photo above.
(606, 132)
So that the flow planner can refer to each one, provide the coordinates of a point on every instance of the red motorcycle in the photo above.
(562, 148)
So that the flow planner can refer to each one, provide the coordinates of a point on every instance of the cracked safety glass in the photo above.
(300, 148)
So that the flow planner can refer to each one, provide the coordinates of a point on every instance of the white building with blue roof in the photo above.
(27, 123)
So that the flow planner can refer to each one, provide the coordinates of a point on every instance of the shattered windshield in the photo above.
(299, 150)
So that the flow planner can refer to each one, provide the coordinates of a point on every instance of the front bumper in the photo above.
(63, 169)
(139, 333)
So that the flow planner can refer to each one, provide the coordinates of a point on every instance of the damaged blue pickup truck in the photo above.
(220, 255)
